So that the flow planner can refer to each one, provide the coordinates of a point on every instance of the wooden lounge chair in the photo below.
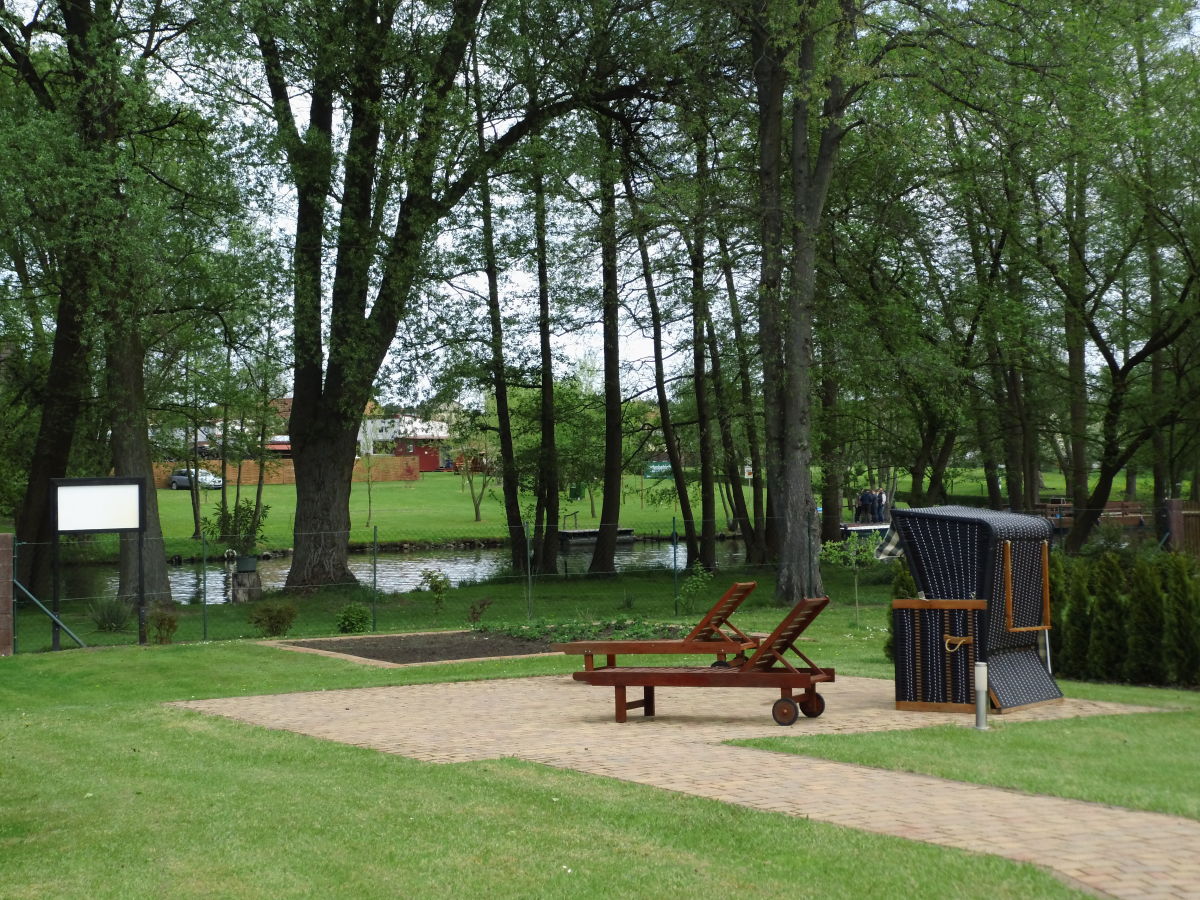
(767, 668)
(713, 634)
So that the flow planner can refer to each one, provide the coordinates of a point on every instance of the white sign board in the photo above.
(99, 505)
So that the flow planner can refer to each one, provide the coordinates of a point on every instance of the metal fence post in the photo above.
(204, 587)
(675, 563)
(528, 571)
(374, 578)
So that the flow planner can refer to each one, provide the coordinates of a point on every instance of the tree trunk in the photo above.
(699, 297)
(756, 546)
(132, 458)
(604, 554)
(665, 418)
(546, 537)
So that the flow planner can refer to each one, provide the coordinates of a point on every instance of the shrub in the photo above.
(164, 619)
(476, 610)
(1077, 625)
(1144, 657)
(110, 614)
(1108, 644)
(1181, 615)
(693, 586)
(354, 618)
(437, 583)
(273, 618)
(1060, 592)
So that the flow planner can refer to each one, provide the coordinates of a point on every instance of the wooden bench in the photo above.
(714, 634)
(766, 668)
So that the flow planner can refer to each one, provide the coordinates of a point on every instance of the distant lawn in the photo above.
(1143, 761)
(109, 794)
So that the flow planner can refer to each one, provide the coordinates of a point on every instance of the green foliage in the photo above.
(561, 632)
(1077, 628)
(1060, 592)
(163, 619)
(355, 618)
(273, 618)
(693, 587)
(111, 614)
(1108, 645)
(1181, 615)
(236, 527)
(1144, 656)
(437, 584)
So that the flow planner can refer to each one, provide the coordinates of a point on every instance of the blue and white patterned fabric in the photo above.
(956, 553)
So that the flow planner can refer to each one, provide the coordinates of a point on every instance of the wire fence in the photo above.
(650, 572)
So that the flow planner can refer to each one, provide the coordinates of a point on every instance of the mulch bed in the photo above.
(413, 648)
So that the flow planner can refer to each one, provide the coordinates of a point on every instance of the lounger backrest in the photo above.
(792, 626)
(710, 626)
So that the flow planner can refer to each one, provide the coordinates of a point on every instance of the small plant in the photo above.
(437, 584)
(236, 527)
(697, 582)
(854, 553)
(476, 610)
(273, 619)
(354, 618)
(111, 614)
(164, 619)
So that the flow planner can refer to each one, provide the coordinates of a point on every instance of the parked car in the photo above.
(181, 479)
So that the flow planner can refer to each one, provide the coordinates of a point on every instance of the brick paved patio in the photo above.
(559, 722)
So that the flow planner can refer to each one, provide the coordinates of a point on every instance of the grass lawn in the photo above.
(647, 595)
(1137, 761)
(109, 794)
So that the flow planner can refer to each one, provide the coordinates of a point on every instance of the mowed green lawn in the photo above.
(436, 508)
(108, 793)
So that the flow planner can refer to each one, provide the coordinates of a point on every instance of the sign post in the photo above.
(100, 506)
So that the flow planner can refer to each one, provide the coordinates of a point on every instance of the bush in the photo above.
(697, 582)
(164, 619)
(354, 618)
(1181, 615)
(111, 614)
(437, 584)
(1077, 625)
(1108, 644)
(1144, 658)
(273, 618)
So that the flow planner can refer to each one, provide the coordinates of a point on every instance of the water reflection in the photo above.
(394, 572)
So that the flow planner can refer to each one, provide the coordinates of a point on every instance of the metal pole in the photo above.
(55, 639)
(675, 562)
(528, 571)
(374, 578)
(142, 639)
(16, 546)
(204, 587)
(981, 696)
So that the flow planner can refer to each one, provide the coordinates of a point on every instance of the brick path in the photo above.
(559, 722)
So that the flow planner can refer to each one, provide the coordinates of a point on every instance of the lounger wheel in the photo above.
(785, 711)
(813, 705)
(721, 664)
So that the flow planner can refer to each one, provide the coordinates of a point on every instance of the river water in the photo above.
(396, 572)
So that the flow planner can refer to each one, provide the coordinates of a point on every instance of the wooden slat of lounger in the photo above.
(785, 635)
(601, 648)
(710, 626)
(702, 676)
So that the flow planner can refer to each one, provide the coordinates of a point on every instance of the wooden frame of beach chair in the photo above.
(713, 634)
(767, 668)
